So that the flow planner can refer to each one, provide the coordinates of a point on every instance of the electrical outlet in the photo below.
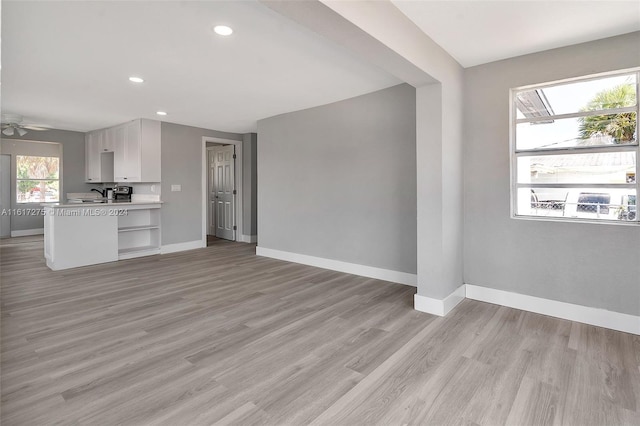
(176, 188)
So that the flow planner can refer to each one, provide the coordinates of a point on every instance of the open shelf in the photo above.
(139, 233)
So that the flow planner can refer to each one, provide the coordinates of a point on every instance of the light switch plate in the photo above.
(176, 188)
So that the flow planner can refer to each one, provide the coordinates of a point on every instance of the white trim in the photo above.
(337, 265)
(27, 232)
(238, 184)
(587, 113)
(584, 314)
(248, 238)
(189, 245)
(440, 307)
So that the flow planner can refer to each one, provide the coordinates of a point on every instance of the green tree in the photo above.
(621, 127)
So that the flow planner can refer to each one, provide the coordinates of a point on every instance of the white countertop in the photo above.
(108, 204)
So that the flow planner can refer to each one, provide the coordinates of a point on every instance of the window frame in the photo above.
(18, 179)
(515, 153)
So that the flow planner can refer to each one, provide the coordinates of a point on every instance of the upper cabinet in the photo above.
(93, 148)
(136, 151)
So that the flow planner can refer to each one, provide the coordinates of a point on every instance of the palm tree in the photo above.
(620, 127)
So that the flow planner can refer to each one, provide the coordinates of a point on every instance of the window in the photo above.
(575, 149)
(38, 179)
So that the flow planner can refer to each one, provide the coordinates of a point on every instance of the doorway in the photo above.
(229, 203)
(222, 192)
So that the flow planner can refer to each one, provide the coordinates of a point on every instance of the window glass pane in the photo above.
(30, 167)
(605, 167)
(591, 95)
(25, 189)
(37, 191)
(52, 191)
(597, 130)
(579, 203)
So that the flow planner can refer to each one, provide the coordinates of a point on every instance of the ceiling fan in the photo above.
(12, 124)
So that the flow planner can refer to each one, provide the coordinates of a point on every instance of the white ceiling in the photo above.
(477, 32)
(66, 64)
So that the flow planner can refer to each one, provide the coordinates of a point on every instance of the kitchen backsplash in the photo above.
(141, 191)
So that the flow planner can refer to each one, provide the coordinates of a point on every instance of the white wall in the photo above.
(595, 265)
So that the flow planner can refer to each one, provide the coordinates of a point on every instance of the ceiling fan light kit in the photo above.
(13, 123)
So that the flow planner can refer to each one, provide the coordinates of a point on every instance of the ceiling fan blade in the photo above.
(37, 127)
(8, 131)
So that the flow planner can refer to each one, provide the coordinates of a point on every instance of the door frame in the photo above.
(10, 184)
(238, 236)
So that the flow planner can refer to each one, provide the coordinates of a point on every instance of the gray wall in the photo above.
(595, 265)
(72, 176)
(250, 183)
(339, 181)
(182, 164)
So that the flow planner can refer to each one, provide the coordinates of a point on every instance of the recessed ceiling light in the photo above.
(161, 113)
(136, 79)
(223, 30)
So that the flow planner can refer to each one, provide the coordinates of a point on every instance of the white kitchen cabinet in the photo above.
(137, 152)
(98, 156)
(93, 148)
(79, 235)
(109, 139)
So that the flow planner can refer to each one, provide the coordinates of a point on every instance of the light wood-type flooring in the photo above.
(218, 335)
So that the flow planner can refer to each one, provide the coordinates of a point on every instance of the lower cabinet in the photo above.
(81, 236)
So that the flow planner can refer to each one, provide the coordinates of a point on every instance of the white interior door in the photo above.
(211, 193)
(5, 195)
(224, 188)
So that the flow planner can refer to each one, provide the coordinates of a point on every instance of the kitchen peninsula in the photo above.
(91, 233)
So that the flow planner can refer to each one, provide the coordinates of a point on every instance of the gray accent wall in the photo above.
(250, 183)
(182, 165)
(339, 181)
(72, 176)
(596, 265)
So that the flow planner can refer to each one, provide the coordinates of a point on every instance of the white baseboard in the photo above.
(440, 307)
(569, 311)
(189, 245)
(247, 238)
(337, 265)
(27, 232)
